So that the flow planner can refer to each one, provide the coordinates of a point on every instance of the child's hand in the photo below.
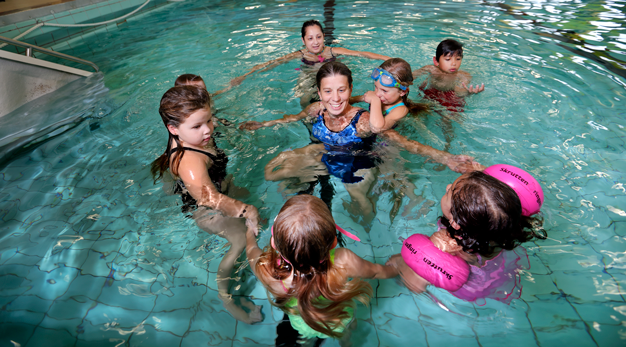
(393, 260)
(463, 164)
(370, 96)
(250, 125)
(474, 89)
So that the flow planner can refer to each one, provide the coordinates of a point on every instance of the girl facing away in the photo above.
(313, 55)
(307, 277)
(470, 255)
(389, 100)
(199, 167)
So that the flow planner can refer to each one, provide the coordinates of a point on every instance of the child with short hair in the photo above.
(306, 276)
(448, 84)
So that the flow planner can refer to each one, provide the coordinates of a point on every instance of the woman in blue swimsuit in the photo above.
(314, 54)
(346, 140)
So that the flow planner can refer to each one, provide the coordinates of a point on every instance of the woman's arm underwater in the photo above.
(456, 163)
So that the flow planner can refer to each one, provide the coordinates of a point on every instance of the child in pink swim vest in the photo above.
(474, 254)
(447, 83)
(313, 282)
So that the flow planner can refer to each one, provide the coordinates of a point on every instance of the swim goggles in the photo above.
(386, 79)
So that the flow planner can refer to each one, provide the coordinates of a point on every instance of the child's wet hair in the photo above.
(489, 214)
(188, 79)
(401, 71)
(331, 69)
(304, 232)
(309, 23)
(449, 47)
(177, 104)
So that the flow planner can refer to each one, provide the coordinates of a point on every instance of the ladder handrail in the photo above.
(47, 51)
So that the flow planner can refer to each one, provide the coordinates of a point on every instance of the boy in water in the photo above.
(448, 85)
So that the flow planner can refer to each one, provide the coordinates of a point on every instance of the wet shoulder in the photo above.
(363, 124)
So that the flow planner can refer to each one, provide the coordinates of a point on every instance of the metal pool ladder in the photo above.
(29, 59)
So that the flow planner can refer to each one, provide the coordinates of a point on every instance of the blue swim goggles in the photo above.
(386, 79)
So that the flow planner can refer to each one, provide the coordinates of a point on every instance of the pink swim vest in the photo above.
(441, 269)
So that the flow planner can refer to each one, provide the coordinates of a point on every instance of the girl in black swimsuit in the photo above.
(200, 169)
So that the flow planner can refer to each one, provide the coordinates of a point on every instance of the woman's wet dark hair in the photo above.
(177, 104)
(330, 69)
(449, 47)
(310, 23)
(489, 213)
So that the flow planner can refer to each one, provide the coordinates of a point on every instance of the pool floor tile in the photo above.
(436, 337)
(104, 315)
(582, 284)
(129, 294)
(51, 338)
(70, 326)
(74, 308)
(17, 332)
(202, 338)
(573, 332)
(151, 337)
(176, 322)
(212, 317)
(608, 334)
(533, 284)
(29, 302)
(504, 338)
(182, 296)
(56, 284)
(108, 336)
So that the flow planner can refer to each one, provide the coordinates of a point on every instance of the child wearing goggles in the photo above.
(447, 84)
(389, 101)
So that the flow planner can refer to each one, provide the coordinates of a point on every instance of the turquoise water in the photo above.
(93, 253)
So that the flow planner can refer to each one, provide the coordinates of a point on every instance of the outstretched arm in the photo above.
(357, 267)
(288, 118)
(413, 281)
(267, 65)
(369, 55)
(457, 163)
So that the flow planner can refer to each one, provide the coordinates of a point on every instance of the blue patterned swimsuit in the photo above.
(347, 153)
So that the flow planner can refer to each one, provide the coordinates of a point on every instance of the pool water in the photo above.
(93, 253)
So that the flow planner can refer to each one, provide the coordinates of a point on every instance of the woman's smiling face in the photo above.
(335, 92)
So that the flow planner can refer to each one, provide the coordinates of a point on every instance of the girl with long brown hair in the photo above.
(304, 273)
(199, 168)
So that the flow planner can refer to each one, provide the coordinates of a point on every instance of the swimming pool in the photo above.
(94, 253)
